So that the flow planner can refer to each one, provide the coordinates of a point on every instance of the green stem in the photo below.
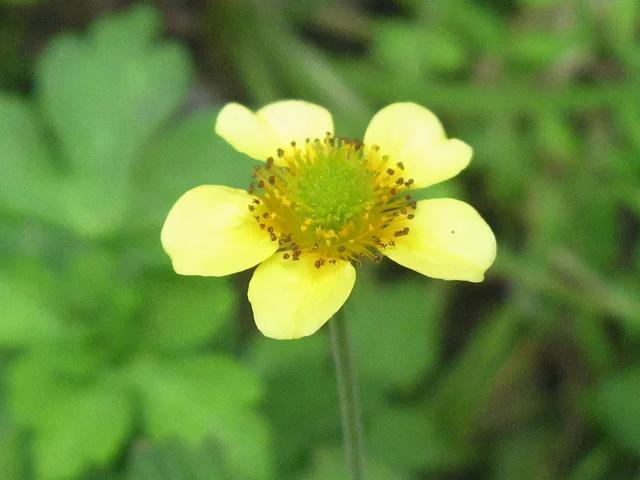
(349, 406)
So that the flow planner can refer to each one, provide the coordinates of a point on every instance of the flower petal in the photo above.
(210, 232)
(274, 126)
(293, 299)
(447, 239)
(411, 134)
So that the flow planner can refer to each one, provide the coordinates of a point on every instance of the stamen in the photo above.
(335, 198)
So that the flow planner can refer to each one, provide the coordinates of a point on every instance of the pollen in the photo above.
(335, 198)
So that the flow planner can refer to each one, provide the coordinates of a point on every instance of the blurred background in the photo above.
(114, 368)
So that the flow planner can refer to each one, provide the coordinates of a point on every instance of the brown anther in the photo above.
(393, 191)
(251, 188)
(409, 182)
(293, 144)
(256, 201)
(400, 165)
(318, 263)
(261, 184)
(269, 162)
(273, 237)
(411, 216)
(286, 256)
(390, 171)
(270, 229)
(265, 215)
(400, 233)
(280, 152)
(252, 208)
(262, 225)
(400, 181)
(272, 180)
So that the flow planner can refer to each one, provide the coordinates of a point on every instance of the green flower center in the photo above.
(337, 199)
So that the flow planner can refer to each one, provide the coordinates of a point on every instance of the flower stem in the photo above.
(349, 406)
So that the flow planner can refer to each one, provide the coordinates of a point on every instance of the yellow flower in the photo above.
(319, 205)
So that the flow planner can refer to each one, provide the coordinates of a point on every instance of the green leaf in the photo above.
(465, 389)
(614, 404)
(105, 95)
(76, 424)
(189, 155)
(329, 464)
(301, 398)
(11, 449)
(25, 320)
(186, 313)
(410, 439)
(194, 397)
(525, 454)
(396, 327)
(174, 460)
(27, 184)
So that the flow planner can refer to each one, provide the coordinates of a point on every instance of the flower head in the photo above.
(319, 205)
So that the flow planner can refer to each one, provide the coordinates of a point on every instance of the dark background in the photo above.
(113, 367)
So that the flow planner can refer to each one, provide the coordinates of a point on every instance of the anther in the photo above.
(265, 215)
(400, 165)
(261, 184)
(400, 233)
(409, 182)
(272, 180)
(252, 208)
(390, 171)
(286, 256)
(280, 152)
(293, 144)
(256, 201)
(269, 162)
(400, 181)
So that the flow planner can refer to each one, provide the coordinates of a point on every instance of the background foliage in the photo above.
(114, 368)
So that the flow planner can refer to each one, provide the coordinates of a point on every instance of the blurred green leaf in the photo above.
(11, 449)
(410, 439)
(396, 330)
(614, 404)
(329, 464)
(187, 314)
(525, 455)
(413, 50)
(301, 400)
(105, 95)
(173, 460)
(28, 183)
(197, 396)
(26, 321)
(76, 423)
(466, 386)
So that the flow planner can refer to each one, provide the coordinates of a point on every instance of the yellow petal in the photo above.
(411, 134)
(447, 239)
(274, 126)
(210, 232)
(293, 299)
